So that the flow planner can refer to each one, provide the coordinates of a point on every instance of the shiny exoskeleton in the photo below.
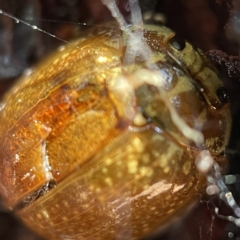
(89, 149)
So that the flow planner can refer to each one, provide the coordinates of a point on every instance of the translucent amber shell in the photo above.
(64, 124)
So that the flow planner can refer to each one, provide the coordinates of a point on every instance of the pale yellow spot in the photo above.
(166, 170)
(104, 76)
(104, 170)
(84, 196)
(186, 167)
(132, 166)
(108, 161)
(98, 190)
(163, 161)
(45, 214)
(56, 61)
(146, 171)
(108, 181)
(102, 59)
(139, 120)
(138, 145)
(65, 55)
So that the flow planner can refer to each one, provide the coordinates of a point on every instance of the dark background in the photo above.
(205, 23)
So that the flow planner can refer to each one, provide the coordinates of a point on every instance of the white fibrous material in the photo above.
(204, 161)
(137, 47)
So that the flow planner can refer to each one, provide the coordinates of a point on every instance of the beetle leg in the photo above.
(232, 219)
(218, 185)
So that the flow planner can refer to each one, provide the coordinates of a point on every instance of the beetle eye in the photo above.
(222, 95)
(178, 43)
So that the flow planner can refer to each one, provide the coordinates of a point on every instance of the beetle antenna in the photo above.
(17, 20)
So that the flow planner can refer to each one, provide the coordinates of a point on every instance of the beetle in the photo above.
(90, 147)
